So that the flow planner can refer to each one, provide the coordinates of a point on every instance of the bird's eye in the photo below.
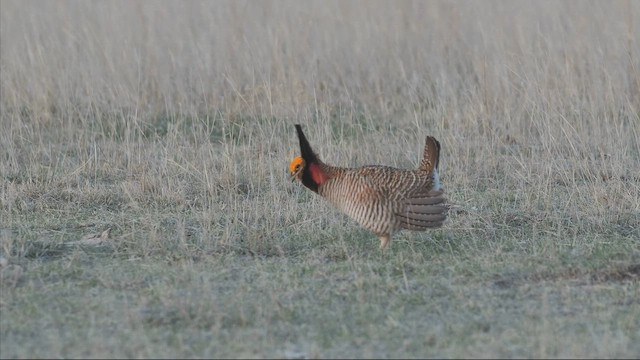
(297, 167)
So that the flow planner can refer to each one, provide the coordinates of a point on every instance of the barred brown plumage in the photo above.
(380, 198)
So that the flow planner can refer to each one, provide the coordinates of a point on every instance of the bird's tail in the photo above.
(431, 155)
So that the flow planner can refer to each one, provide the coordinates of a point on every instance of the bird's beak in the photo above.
(296, 175)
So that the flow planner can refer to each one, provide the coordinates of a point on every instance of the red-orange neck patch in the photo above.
(317, 175)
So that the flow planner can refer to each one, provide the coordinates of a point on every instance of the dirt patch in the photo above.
(608, 275)
(626, 273)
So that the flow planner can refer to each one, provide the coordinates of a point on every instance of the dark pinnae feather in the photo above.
(309, 157)
(305, 149)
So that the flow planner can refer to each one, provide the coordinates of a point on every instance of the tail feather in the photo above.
(431, 155)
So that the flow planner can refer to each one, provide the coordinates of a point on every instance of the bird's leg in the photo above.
(384, 241)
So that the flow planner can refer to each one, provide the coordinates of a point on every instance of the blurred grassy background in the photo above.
(171, 124)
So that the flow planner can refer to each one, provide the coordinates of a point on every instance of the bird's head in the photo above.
(296, 168)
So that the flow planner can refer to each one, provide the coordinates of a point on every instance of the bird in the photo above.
(382, 199)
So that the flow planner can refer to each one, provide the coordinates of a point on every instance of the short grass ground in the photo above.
(146, 209)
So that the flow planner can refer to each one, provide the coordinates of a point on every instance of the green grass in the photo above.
(171, 125)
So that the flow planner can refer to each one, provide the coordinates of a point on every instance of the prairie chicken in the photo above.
(380, 198)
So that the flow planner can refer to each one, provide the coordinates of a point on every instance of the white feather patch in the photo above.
(436, 180)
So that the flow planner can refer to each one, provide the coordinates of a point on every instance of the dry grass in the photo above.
(171, 124)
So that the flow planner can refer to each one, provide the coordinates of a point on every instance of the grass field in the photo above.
(146, 209)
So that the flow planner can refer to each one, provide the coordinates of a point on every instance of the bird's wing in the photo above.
(410, 196)
(423, 210)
